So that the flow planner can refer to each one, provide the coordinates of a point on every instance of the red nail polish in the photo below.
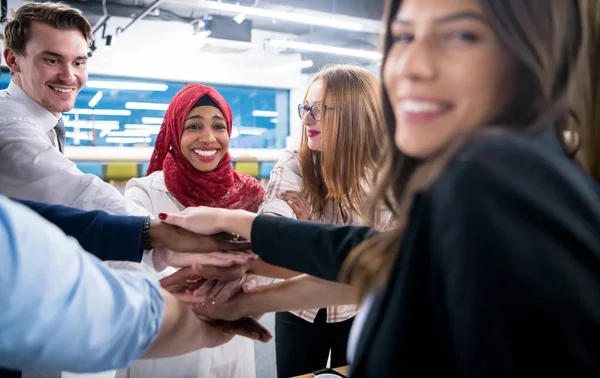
(162, 216)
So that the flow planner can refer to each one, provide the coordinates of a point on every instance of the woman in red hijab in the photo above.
(191, 166)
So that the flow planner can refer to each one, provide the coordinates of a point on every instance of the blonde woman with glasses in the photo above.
(327, 180)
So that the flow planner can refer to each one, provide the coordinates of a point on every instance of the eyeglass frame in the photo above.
(302, 107)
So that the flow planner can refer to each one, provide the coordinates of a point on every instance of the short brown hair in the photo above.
(57, 15)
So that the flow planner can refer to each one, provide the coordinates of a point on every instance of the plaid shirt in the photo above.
(286, 175)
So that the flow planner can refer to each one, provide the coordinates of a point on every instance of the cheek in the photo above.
(485, 89)
(224, 141)
(186, 141)
(390, 75)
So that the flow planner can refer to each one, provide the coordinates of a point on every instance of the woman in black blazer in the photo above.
(494, 267)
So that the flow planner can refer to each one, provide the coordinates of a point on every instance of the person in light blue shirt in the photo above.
(62, 309)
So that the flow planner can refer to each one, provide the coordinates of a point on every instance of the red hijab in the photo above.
(222, 187)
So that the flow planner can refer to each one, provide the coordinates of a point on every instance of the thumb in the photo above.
(249, 286)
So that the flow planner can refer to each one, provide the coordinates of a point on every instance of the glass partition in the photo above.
(127, 112)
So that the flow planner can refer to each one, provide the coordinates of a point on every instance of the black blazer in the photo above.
(498, 273)
(106, 236)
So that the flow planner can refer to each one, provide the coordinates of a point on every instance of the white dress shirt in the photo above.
(32, 167)
(234, 359)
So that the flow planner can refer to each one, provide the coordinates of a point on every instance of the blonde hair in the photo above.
(57, 15)
(353, 134)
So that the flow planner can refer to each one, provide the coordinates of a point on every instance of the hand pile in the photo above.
(213, 270)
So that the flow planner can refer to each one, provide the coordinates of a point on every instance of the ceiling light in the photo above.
(80, 135)
(229, 43)
(285, 16)
(100, 125)
(152, 120)
(126, 85)
(125, 140)
(264, 113)
(289, 67)
(104, 112)
(131, 133)
(94, 101)
(151, 129)
(146, 106)
(251, 130)
(374, 55)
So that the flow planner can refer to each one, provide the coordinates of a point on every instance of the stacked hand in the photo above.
(207, 275)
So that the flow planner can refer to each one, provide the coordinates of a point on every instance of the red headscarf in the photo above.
(222, 187)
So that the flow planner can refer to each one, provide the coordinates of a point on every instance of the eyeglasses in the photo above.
(317, 111)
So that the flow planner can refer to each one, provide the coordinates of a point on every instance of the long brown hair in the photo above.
(353, 133)
(545, 38)
(586, 91)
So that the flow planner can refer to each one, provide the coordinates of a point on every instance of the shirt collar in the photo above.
(45, 118)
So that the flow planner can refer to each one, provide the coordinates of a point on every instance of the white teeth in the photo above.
(205, 153)
(63, 90)
(421, 106)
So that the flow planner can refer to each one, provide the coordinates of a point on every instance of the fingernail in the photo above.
(162, 216)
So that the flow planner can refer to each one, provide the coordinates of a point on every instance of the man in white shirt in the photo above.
(46, 46)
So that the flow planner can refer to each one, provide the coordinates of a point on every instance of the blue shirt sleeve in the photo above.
(61, 308)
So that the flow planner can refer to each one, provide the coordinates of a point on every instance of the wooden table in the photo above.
(342, 370)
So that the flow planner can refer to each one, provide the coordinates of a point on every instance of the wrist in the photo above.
(155, 234)
(237, 222)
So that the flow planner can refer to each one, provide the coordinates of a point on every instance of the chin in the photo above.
(314, 146)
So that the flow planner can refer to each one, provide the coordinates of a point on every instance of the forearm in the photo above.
(298, 293)
(181, 331)
(307, 247)
(106, 236)
(237, 222)
(261, 268)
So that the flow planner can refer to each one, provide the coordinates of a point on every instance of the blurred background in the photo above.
(260, 54)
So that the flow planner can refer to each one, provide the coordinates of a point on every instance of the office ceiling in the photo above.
(365, 11)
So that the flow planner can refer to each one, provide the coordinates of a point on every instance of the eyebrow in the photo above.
(449, 18)
(215, 118)
(57, 55)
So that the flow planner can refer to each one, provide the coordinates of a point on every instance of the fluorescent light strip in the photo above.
(374, 55)
(146, 106)
(107, 112)
(126, 85)
(116, 140)
(80, 135)
(137, 126)
(100, 125)
(264, 113)
(152, 120)
(94, 101)
(130, 133)
(229, 43)
(296, 17)
(290, 66)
